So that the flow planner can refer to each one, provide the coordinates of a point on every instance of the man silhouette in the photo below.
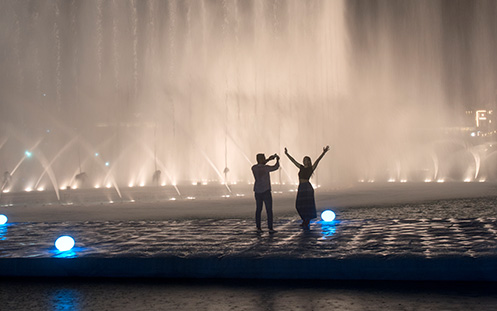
(262, 188)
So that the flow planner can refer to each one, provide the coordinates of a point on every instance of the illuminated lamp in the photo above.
(64, 243)
(328, 215)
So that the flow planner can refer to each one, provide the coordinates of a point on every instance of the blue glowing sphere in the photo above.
(3, 219)
(64, 243)
(328, 215)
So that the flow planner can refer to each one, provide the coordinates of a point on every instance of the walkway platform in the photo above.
(376, 249)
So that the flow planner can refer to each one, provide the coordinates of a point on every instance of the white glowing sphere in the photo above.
(64, 243)
(3, 219)
(328, 215)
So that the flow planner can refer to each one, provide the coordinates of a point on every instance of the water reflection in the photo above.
(65, 299)
(72, 253)
(3, 231)
(328, 228)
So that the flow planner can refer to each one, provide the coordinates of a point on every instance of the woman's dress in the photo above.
(305, 204)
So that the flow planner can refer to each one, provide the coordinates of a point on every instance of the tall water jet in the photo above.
(206, 85)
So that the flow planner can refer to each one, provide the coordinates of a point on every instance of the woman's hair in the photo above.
(307, 157)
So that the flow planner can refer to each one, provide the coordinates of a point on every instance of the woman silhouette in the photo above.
(305, 204)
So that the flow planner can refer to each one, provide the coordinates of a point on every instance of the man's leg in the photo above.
(268, 200)
(258, 209)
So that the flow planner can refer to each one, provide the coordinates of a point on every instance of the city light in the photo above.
(64, 243)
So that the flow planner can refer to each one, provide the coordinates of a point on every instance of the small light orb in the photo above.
(3, 219)
(64, 243)
(328, 215)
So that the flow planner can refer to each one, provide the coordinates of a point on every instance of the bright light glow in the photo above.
(190, 198)
(428, 180)
(467, 180)
(194, 183)
(482, 180)
(74, 187)
(163, 184)
(204, 183)
(97, 186)
(480, 116)
(64, 243)
(130, 185)
(441, 180)
(107, 163)
(142, 184)
(172, 199)
(28, 154)
(3, 219)
(96, 154)
(6, 191)
(28, 189)
(40, 189)
(403, 180)
(108, 185)
(328, 215)
(391, 180)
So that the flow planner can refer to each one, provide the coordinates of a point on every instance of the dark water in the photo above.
(144, 294)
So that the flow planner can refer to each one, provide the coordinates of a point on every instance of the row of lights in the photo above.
(426, 180)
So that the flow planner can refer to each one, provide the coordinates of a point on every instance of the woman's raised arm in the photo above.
(315, 165)
(297, 164)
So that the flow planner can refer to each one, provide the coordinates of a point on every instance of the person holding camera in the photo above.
(262, 189)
